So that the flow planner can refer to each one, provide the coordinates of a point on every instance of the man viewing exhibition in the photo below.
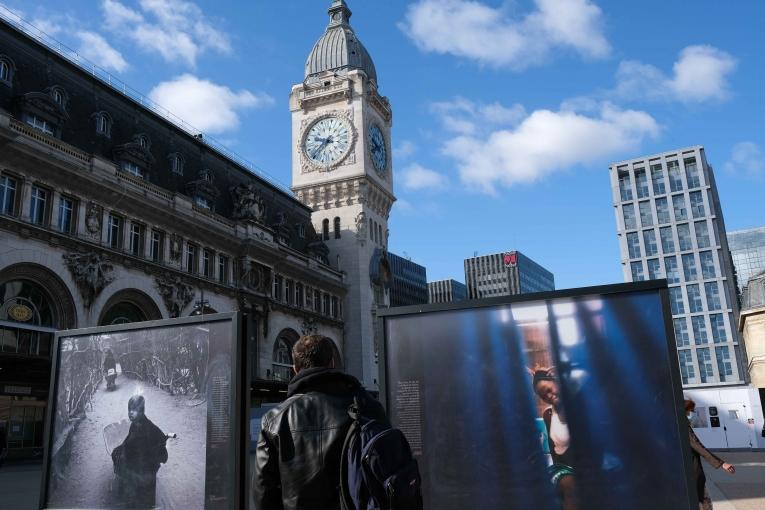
(298, 455)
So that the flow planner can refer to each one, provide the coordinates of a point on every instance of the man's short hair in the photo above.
(313, 351)
(138, 403)
(689, 405)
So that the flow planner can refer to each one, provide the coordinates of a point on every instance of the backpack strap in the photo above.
(354, 411)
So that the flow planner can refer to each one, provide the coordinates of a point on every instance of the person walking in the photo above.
(697, 452)
(299, 449)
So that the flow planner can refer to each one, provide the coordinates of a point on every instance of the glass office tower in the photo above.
(670, 225)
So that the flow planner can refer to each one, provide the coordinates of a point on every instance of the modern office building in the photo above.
(670, 225)
(409, 285)
(747, 248)
(446, 291)
(505, 274)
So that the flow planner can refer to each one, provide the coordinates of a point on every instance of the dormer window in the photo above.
(143, 142)
(40, 124)
(6, 70)
(59, 96)
(131, 168)
(176, 163)
(103, 124)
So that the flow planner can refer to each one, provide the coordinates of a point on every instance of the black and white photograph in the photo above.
(136, 415)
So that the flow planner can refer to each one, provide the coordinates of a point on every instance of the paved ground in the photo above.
(744, 490)
(20, 484)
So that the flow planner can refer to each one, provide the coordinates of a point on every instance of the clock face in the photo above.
(377, 148)
(327, 141)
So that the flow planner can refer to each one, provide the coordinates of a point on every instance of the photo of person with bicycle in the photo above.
(125, 392)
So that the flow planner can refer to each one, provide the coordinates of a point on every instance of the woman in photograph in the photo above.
(559, 440)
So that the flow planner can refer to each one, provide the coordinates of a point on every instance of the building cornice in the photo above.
(345, 192)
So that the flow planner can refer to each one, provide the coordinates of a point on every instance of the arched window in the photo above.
(379, 234)
(143, 141)
(59, 96)
(128, 305)
(123, 313)
(30, 317)
(176, 163)
(325, 229)
(282, 360)
(337, 227)
(103, 124)
(6, 70)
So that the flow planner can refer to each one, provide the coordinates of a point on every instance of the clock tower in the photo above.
(342, 169)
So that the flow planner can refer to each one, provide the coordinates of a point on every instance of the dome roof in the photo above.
(339, 49)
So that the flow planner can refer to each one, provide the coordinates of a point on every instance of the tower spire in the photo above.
(339, 13)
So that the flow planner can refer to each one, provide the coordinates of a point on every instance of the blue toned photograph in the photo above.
(566, 403)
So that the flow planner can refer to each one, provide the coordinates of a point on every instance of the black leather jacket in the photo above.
(297, 464)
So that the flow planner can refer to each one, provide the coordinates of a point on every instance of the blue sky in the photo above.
(506, 113)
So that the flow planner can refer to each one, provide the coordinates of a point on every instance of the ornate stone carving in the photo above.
(248, 204)
(90, 272)
(308, 326)
(176, 247)
(361, 227)
(176, 293)
(255, 277)
(93, 219)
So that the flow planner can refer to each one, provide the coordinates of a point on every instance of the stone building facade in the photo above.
(751, 323)
(342, 170)
(110, 213)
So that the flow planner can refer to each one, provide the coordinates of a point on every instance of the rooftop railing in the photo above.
(17, 22)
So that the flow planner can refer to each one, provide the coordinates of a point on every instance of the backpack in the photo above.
(377, 469)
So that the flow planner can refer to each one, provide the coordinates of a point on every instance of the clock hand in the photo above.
(318, 149)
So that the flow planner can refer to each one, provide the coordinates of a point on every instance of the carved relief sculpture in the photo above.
(93, 219)
(176, 245)
(248, 205)
(176, 293)
(361, 226)
(308, 326)
(90, 272)
(255, 277)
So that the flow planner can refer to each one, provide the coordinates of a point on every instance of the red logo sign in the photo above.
(510, 259)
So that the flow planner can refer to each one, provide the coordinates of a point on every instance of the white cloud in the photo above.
(417, 177)
(96, 49)
(405, 149)
(467, 117)
(176, 29)
(699, 74)
(546, 142)
(205, 105)
(48, 26)
(746, 158)
(490, 36)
